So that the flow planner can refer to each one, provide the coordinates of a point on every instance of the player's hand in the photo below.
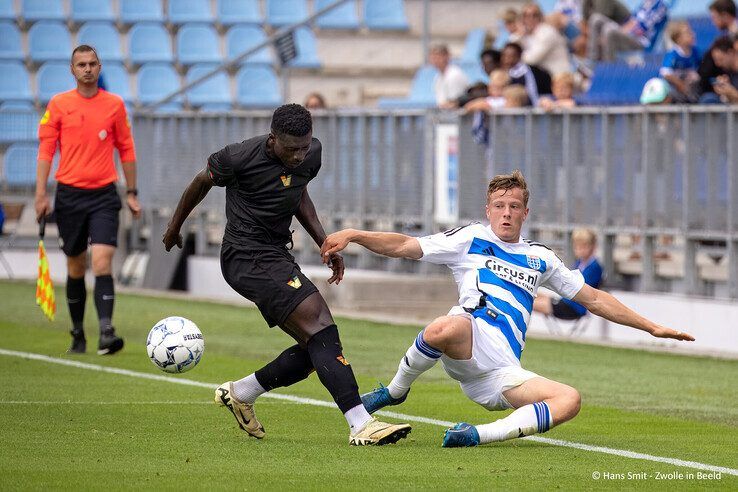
(133, 205)
(664, 332)
(334, 243)
(42, 206)
(335, 261)
(172, 237)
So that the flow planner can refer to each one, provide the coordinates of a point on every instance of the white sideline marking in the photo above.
(413, 418)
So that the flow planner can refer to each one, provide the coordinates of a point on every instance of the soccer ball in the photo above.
(175, 344)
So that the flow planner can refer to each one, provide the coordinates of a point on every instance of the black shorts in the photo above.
(86, 217)
(269, 278)
(562, 310)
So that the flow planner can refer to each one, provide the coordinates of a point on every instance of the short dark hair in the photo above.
(514, 46)
(723, 43)
(494, 54)
(83, 48)
(723, 7)
(292, 119)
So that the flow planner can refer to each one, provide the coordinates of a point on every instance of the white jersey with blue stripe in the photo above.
(503, 276)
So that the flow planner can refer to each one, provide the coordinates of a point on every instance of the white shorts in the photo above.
(492, 369)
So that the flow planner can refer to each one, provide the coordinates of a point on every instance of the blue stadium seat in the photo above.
(19, 166)
(197, 43)
(385, 15)
(231, 12)
(257, 87)
(474, 45)
(617, 83)
(116, 80)
(35, 10)
(241, 38)
(53, 78)
(15, 84)
(11, 47)
(104, 37)
(421, 92)
(149, 42)
(214, 94)
(307, 50)
(140, 11)
(681, 9)
(49, 41)
(474, 71)
(155, 82)
(18, 122)
(547, 6)
(182, 11)
(705, 32)
(283, 12)
(343, 17)
(7, 11)
(92, 10)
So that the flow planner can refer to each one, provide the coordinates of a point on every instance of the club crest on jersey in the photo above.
(534, 262)
(295, 282)
(286, 180)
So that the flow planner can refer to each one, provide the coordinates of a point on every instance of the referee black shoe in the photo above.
(79, 343)
(109, 342)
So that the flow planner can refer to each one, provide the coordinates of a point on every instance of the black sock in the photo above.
(104, 299)
(333, 370)
(291, 366)
(76, 298)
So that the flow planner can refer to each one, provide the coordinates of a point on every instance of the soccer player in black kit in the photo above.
(266, 181)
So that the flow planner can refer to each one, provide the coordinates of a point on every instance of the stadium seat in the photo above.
(49, 41)
(214, 94)
(421, 92)
(385, 15)
(705, 32)
(183, 11)
(149, 42)
(197, 43)
(116, 80)
(36, 10)
(307, 50)
(53, 78)
(257, 87)
(342, 17)
(474, 71)
(15, 84)
(104, 37)
(7, 10)
(241, 38)
(474, 45)
(617, 83)
(140, 11)
(19, 166)
(231, 12)
(11, 47)
(681, 9)
(18, 122)
(283, 12)
(155, 82)
(92, 10)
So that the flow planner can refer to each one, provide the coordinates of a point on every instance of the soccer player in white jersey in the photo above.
(480, 341)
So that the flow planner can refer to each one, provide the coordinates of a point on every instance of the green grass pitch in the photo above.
(73, 428)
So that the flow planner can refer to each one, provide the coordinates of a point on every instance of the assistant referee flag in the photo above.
(44, 288)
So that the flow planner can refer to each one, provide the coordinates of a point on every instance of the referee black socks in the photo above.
(104, 299)
(333, 370)
(76, 298)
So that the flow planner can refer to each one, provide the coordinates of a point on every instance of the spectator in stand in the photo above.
(562, 87)
(544, 45)
(681, 63)
(315, 100)
(639, 32)
(515, 96)
(725, 54)
(451, 82)
(536, 81)
(723, 15)
(498, 80)
(655, 92)
(511, 21)
(490, 60)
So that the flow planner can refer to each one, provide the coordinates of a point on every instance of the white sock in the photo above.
(357, 417)
(248, 389)
(525, 421)
(419, 358)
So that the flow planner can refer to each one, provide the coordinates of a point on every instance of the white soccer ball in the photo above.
(175, 344)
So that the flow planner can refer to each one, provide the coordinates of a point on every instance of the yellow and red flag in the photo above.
(44, 288)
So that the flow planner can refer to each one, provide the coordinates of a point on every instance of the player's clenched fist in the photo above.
(172, 237)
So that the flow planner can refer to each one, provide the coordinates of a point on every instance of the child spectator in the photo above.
(515, 96)
(562, 87)
(498, 80)
(681, 63)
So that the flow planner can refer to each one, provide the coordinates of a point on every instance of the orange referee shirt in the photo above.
(86, 129)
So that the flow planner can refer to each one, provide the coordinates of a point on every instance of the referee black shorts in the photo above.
(86, 217)
(269, 278)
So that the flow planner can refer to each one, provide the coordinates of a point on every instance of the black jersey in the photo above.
(262, 194)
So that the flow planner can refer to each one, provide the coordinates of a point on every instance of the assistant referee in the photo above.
(87, 123)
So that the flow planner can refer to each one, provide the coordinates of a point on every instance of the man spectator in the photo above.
(536, 81)
(490, 60)
(681, 63)
(451, 82)
(725, 54)
(544, 45)
(87, 123)
(723, 16)
(639, 32)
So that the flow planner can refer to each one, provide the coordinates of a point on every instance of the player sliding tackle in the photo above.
(480, 341)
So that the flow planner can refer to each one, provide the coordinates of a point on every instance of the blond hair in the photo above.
(508, 182)
(509, 16)
(676, 28)
(517, 94)
(499, 77)
(584, 235)
(563, 78)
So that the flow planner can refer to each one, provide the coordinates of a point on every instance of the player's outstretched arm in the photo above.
(390, 244)
(308, 217)
(192, 195)
(603, 304)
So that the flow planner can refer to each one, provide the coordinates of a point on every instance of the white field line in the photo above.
(412, 418)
